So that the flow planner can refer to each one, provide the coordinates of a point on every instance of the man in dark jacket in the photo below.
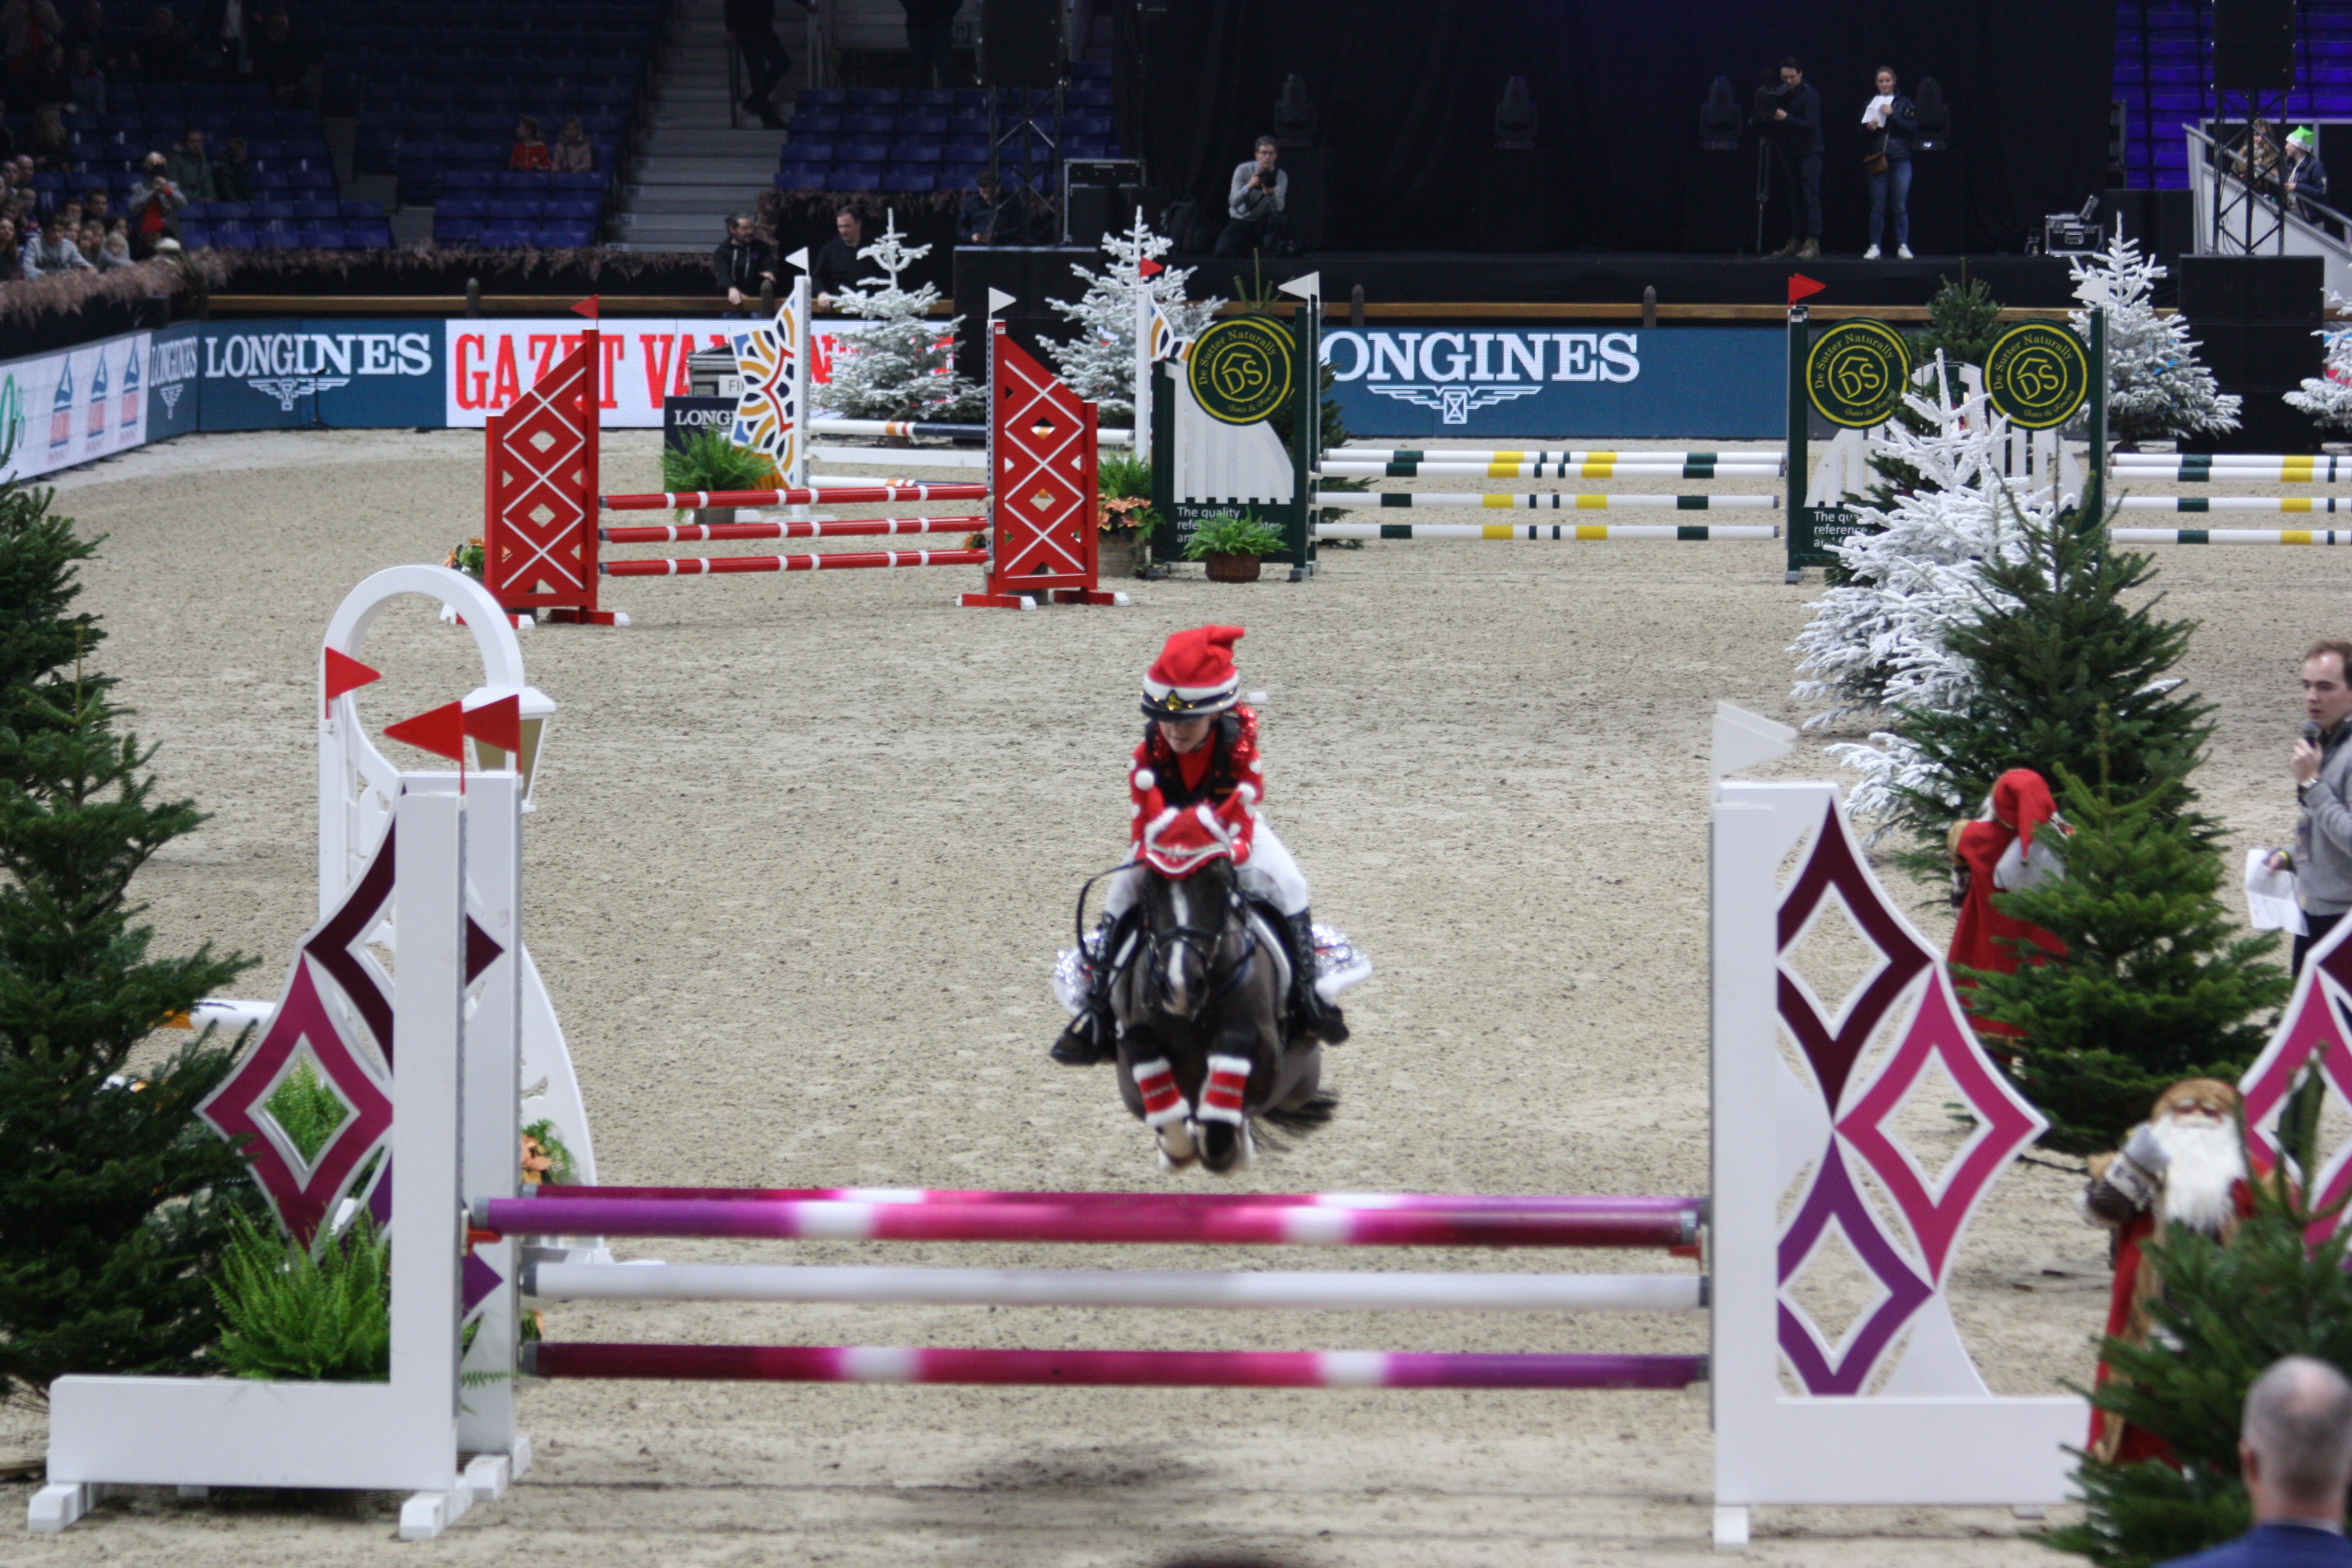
(837, 270)
(751, 25)
(2294, 1448)
(742, 261)
(988, 218)
(1795, 129)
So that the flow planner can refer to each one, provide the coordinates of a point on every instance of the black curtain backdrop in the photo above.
(1406, 94)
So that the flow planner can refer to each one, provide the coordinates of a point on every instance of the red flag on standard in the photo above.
(587, 307)
(497, 724)
(1800, 286)
(1149, 268)
(345, 673)
(441, 731)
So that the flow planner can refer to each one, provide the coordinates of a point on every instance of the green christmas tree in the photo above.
(2157, 983)
(2226, 1312)
(115, 1200)
(2070, 657)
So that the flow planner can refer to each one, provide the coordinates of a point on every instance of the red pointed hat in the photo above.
(1194, 674)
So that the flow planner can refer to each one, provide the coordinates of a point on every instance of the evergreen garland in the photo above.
(115, 1200)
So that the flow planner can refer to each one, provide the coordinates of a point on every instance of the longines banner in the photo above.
(1517, 381)
(277, 375)
(58, 410)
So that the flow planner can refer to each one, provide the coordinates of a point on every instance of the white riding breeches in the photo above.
(1270, 875)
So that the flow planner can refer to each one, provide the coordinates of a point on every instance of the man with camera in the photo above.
(1254, 204)
(1792, 116)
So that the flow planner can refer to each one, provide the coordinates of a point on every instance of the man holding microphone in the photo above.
(2322, 767)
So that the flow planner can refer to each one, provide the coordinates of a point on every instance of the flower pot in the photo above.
(714, 514)
(1120, 555)
(1232, 567)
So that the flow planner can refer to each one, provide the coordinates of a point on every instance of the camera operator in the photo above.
(1254, 204)
(1792, 116)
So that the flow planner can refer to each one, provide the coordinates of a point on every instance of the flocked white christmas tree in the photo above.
(1876, 641)
(903, 367)
(1099, 362)
(2156, 385)
(2328, 397)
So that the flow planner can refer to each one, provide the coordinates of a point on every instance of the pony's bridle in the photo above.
(1202, 941)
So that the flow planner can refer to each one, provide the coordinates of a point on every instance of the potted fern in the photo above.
(1124, 516)
(712, 461)
(1229, 545)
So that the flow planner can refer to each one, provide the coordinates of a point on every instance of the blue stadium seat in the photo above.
(193, 233)
(521, 180)
(856, 177)
(549, 236)
(590, 180)
(374, 236)
(507, 237)
(861, 152)
(868, 124)
(911, 180)
(229, 212)
(457, 231)
(915, 152)
(515, 209)
(874, 97)
(347, 210)
(574, 209)
(799, 151)
(233, 239)
(323, 239)
(814, 123)
(458, 207)
(922, 122)
(806, 177)
(277, 239)
(312, 211)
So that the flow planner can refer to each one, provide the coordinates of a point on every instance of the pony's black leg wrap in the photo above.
(1092, 1037)
(1311, 1013)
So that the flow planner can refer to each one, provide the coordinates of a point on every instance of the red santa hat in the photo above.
(2021, 803)
(1194, 674)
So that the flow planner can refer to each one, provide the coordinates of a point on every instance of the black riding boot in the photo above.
(1311, 1015)
(1092, 1037)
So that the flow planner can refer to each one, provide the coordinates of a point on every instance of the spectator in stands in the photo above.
(751, 28)
(90, 238)
(12, 265)
(94, 205)
(224, 36)
(51, 143)
(68, 218)
(163, 53)
(231, 180)
(113, 251)
(44, 80)
(930, 39)
(86, 82)
(2306, 176)
(282, 61)
(88, 31)
(155, 207)
(54, 251)
(529, 152)
(572, 152)
(989, 218)
(836, 269)
(1255, 205)
(27, 27)
(189, 168)
(743, 260)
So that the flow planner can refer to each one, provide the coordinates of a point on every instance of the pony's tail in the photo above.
(1315, 1112)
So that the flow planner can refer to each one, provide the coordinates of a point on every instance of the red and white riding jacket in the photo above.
(1190, 808)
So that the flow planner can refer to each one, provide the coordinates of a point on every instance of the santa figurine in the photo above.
(2005, 850)
(2184, 1166)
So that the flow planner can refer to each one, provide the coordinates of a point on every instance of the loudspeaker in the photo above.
(1020, 42)
(2253, 45)
(1090, 213)
(2254, 316)
(1312, 170)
